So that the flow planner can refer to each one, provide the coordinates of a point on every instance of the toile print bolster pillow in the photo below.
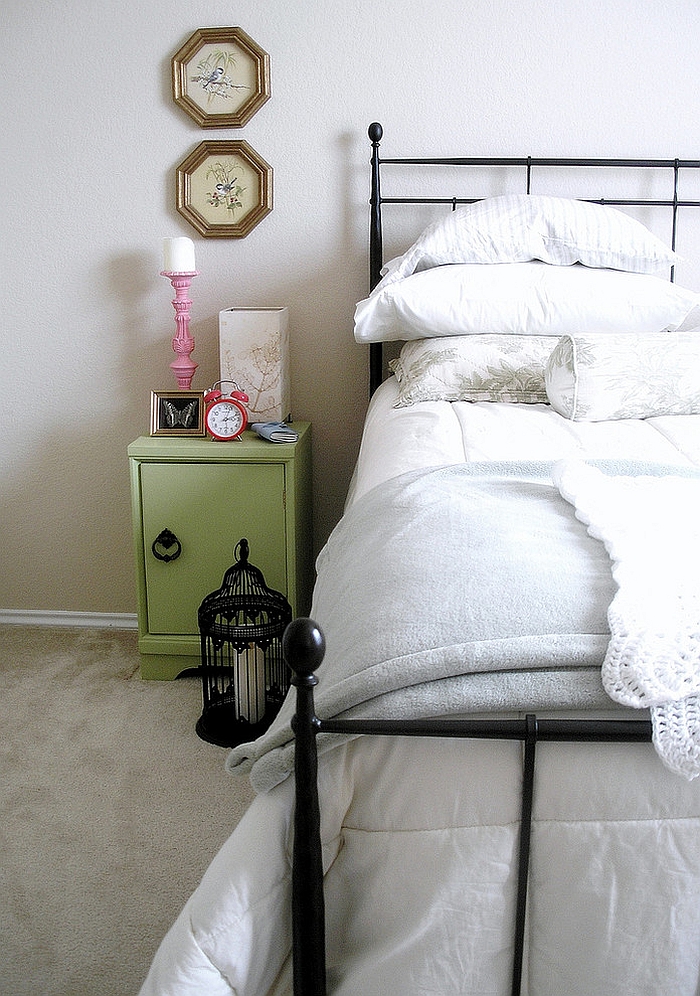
(593, 378)
(473, 368)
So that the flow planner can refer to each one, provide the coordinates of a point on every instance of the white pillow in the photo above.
(522, 299)
(473, 368)
(593, 379)
(516, 228)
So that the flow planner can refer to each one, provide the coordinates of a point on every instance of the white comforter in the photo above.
(415, 871)
(412, 868)
(395, 439)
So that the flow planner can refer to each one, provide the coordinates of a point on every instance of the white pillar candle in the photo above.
(178, 255)
(250, 683)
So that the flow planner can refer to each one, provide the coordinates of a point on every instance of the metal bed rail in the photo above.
(304, 649)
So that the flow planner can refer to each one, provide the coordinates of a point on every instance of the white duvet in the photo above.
(419, 837)
(614, 889)
(395, 440)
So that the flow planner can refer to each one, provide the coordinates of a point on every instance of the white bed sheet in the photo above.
(420, 879)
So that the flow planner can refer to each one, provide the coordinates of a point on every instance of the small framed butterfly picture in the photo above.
(177, 413)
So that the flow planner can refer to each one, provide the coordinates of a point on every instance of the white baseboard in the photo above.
(86, 620)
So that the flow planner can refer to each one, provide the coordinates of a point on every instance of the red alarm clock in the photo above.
(225, 416)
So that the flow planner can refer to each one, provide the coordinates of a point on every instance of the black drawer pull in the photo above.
(164, 542)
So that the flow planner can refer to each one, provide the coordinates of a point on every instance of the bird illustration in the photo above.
(214, 77)
(225, 188)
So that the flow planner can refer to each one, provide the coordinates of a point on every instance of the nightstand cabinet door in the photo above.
(193, 500)
(209, 508)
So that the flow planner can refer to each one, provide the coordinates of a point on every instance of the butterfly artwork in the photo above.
(185, 417)
(174, 415)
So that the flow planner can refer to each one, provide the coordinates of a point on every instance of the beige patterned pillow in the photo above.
(490, 367)
(593, 378)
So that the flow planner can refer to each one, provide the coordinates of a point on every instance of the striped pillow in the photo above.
(515, 228)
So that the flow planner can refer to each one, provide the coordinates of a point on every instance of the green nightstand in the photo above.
(197, 498)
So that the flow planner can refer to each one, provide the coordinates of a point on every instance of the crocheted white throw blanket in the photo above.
(651, 529)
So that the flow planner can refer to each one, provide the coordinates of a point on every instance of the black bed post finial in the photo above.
(304, 647)
(376, 251)
(375, 221)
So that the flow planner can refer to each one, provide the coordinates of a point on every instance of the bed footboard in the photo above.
(304, 648)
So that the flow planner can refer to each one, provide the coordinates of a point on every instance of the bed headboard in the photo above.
(525, 166)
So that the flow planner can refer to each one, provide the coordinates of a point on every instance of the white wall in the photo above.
(90, 139)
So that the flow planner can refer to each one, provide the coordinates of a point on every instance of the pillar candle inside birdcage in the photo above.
(244, 677)
(250, 685)
(254, 352)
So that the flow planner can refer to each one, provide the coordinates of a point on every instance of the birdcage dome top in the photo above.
(244, 609)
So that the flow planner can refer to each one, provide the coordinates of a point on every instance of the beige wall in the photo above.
(90, 140)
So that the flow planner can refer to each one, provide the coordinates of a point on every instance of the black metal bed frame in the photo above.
(304, 649)
(304, 645)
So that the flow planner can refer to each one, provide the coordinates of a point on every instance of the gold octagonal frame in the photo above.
(224, 189)
(221, 77)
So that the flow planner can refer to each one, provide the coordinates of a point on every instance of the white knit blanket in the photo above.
(651, 530)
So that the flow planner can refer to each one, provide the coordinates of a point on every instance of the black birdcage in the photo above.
(243, 671)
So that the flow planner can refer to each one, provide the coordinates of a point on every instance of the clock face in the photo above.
(226, 419)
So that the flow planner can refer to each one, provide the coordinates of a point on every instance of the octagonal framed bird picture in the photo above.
(224, 189)
(221, 77)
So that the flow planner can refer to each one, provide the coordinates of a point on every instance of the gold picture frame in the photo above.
(224, 189)
(221, 77)
(177, 413)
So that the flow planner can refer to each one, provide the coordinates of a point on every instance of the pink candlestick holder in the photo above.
(183, 343)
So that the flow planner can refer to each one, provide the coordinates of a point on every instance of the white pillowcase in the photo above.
(522, 299)
(593, 379)
(506, 368)
(516, 228)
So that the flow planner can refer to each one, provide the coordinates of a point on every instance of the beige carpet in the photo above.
(111, 808)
